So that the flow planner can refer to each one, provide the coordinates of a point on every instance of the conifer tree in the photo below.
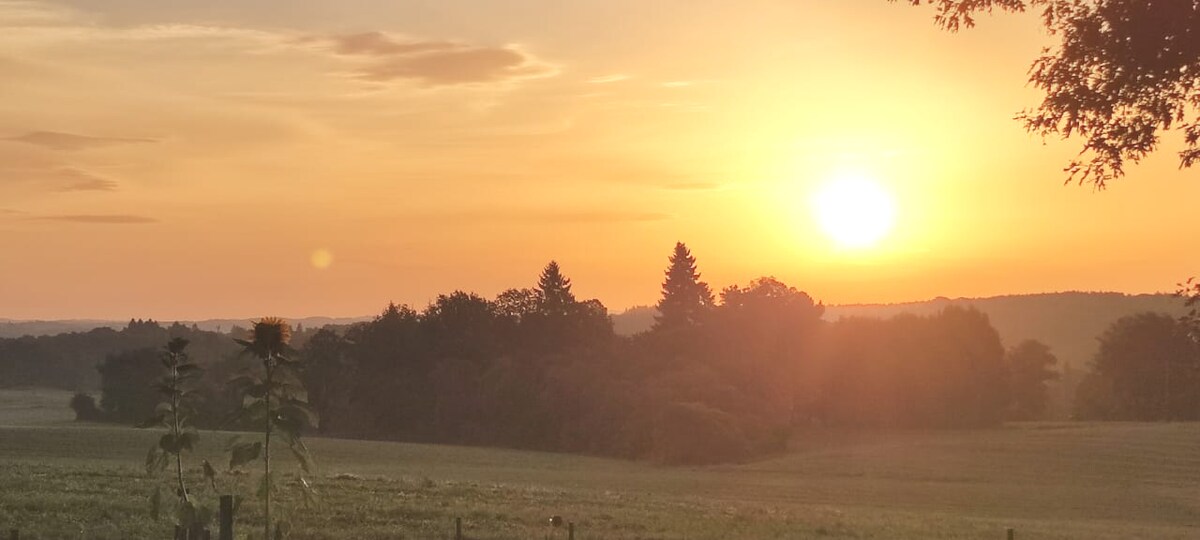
(685, 297)
(554, 290)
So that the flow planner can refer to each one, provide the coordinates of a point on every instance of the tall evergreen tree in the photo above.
(685, 297)
(555, 291)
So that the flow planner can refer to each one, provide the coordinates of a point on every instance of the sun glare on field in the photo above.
(854, 211)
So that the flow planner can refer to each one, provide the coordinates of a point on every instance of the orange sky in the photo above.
(183, 160)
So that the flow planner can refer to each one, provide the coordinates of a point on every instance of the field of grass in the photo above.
(59, 479)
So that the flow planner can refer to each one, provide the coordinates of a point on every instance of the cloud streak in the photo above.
(70, 142)
(582, 216)
(434, 63)
(101, 219)
(80, 180)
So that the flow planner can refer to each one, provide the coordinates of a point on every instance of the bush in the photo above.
(85, 408)
(696, 434)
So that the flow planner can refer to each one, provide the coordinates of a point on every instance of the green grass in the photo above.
(64, 480)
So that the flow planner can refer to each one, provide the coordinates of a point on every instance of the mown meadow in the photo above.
(62, 479)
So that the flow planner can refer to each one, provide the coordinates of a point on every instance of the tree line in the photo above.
(720, 376)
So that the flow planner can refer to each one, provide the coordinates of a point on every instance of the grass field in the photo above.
(59, 479)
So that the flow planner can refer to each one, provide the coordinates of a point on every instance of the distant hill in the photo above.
(1068, 322)
(10, 328)
(633, 320)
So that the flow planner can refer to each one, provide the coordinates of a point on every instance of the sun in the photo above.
(854, 211)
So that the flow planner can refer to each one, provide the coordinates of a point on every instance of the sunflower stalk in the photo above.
(274, 392)
(172, 413)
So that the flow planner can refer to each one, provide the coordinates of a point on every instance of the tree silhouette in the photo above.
(1189, 291)
(555, 291)
(1122, 72)
(1030, 366)
(1148, 368)
(684, 297)
(517, 303)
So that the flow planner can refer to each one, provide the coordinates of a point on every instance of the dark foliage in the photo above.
(69, 361)
(685, 299)
(944, 371)
(1148, 368)
(1030, 367)
(1122, 72)
(85, 408)
(537, 368)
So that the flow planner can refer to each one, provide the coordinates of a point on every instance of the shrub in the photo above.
(85, 408)
(696, 434)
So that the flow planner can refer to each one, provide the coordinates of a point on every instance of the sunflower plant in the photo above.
(274, 399)
(174, 413)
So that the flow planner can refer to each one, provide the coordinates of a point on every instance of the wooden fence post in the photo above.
(14, 534)
(458, 528)
(571, 530)
(226, 518)
(1011, 534)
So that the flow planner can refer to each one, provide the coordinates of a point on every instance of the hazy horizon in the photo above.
(612, 310)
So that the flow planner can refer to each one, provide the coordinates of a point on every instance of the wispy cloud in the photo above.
(80, 180)
(56, 140)
(42, 22)
(379, 44)
(31, 14)
(102, 219)
(48, 175)
(560, 216)
(606, 79)
(434, 62)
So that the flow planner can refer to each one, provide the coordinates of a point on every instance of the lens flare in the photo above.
(321, 259)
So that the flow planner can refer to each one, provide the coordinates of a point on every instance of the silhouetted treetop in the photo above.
(1122, 72)
(517, 303)
(684, 297)
(768, 292)
(555, 290)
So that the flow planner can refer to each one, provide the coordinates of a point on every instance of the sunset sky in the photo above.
(188, 159)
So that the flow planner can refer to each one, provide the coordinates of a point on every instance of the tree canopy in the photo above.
(1148, 368)
(1122, 72)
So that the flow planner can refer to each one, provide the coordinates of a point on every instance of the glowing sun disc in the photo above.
(854, 211)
